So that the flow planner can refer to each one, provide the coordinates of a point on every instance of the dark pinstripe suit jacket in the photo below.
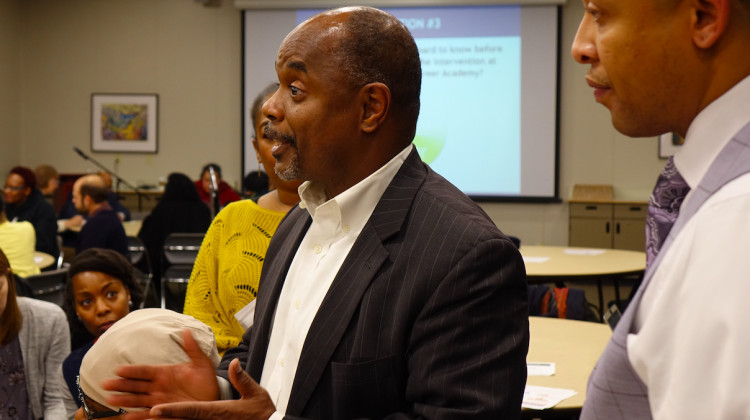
(427, 317)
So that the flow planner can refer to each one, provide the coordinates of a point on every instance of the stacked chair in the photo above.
(180, 251)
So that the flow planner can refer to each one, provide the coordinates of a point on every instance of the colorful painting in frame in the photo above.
(124, 122)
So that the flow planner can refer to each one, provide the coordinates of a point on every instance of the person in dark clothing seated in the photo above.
(226, 193)
(180, 210)
(101, 290)
(69, 210)
(255, 184)
(47, 180)
(24, 202)
(103, 229)
(122, 212)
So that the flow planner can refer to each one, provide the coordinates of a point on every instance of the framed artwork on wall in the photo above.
(669, 144)
(124, 123)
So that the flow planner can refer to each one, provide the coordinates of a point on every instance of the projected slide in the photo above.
(471, 94)
(488, 120)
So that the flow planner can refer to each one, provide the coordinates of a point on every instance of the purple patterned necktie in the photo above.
(663, 208)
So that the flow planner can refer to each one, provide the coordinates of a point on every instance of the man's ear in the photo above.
(376, 100)
(710, 20)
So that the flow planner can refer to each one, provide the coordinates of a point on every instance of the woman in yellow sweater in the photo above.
(226, 272)
(17, 240)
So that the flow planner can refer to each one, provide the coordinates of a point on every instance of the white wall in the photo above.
(186, 53)
(10, 122)
(190, 55)
(591, 152)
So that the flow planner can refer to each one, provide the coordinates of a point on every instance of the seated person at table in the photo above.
(180, 210)
(123, 344)
(33, 342)
(103, 229)
(48, 180)
(70, 217)
(24, 202)
(101, 290)
(122, 212)
(17, 241)
(226, 273)
(226, 193)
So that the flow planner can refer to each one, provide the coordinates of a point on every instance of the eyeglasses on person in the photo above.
(93, 414)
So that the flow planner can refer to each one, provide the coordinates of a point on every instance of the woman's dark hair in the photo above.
(256, 182)
(99, 260)
(180, 188)
(216, 168)
(260, 98)
(11, 319)
(29, 179)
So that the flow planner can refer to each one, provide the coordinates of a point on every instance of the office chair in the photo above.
(142, 266)
(59, 262)
(49, 285)
(180, 251)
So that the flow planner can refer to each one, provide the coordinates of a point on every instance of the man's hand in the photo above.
(255, 403)
(74, 221)
(146, 385)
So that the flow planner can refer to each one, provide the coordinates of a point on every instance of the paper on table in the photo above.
(245, 316)
(584, 251)
(542, 397)
(540, 368)
(535, 259)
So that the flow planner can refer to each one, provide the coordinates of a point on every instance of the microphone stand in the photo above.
(213, 187)
(119, 180)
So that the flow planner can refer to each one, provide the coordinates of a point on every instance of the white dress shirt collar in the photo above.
(711, 130)
(358, 200)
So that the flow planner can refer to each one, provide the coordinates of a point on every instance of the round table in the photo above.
(549, 264)
(43, 260)
(132, 227)
(574, 347)
(555, 263)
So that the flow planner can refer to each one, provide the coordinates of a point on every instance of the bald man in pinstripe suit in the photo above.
(387, 293)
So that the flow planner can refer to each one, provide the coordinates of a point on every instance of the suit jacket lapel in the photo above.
(351, 282)
(287, 239)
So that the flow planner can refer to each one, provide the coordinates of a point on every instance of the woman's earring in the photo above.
(130, 303)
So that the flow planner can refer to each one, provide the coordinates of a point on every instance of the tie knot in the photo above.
(670, 190)
(663, 208)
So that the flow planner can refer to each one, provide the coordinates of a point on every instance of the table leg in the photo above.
(601, 299)
(616, 282)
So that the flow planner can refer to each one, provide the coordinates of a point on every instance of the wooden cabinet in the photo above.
(610, 224)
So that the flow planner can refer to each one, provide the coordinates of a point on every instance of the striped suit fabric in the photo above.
(427, 316)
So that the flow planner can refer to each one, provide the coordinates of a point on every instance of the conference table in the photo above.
(574, 347)
(554, 264)
(131, 227)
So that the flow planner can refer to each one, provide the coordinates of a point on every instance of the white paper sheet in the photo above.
(542, 397)
(535, 260)
(246, 315)
(540, 368)
(584, 251)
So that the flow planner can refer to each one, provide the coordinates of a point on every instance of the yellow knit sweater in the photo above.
(226, 272)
